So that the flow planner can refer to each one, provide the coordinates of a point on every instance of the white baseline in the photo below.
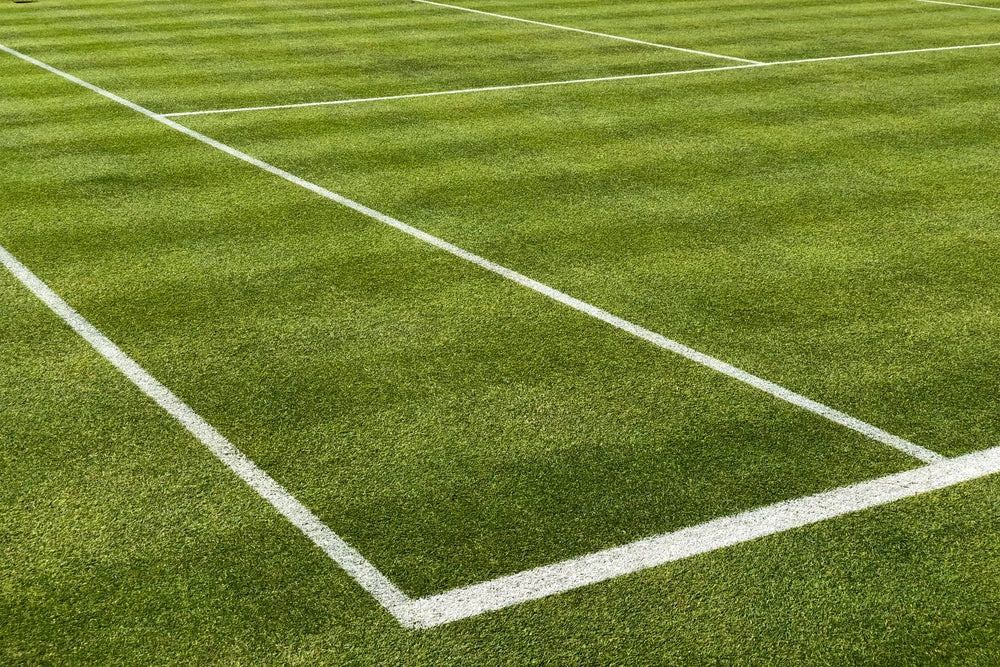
(566, 82)
(587, 32)
(728, 531)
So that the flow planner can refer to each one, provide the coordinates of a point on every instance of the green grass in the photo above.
(828, 226)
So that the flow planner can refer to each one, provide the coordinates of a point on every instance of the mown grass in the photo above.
(452, 425)
(125, 542)
(827, 226)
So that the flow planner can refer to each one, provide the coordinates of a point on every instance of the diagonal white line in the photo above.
(566, 82)
(373, 581)
(959, 4)
(587, 32)
(549, 580)
(512, 86)
(718, 365)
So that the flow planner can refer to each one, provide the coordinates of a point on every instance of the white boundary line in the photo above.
(469, 601)
(708, 361)
(346, 556)
(955, 4)
(459, 91)
(531, 584)
(603, 565)
(587, 32)
(619, 77)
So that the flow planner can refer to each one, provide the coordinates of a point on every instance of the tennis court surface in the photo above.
(504, 332)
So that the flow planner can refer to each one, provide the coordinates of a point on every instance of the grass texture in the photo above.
(828, 226)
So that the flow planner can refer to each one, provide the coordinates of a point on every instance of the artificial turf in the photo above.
(829, 226)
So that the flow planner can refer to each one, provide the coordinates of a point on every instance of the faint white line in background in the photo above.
(587, 32)
(619, 77)
(958, 4)
(512, 86)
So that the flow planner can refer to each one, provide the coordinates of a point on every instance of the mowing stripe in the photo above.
(336, 548)
(542, 84)
(603, 565)
(766, 386)
(586, 32)
(958, 4)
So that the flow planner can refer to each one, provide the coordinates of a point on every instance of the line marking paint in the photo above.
(958, 4)
(531, 584)
(336, 548)
(513, 86)
(717, 534)
(587, 32)
(708, 361)
(543, 84)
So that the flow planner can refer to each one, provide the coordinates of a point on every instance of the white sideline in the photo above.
(346, 556)
(958, 4)
(587, 32)
(718, 365)
(566, 82)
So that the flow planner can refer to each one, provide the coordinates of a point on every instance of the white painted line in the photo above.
(543, 84)
(718, 365)
(451, 92)
(373, 581)
(603, 565)
(586, 32)
(879, 54)
(513, 86)
(958, 4)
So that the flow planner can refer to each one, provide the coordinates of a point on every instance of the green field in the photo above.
(827, 225)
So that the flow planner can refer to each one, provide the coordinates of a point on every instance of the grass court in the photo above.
(553, 332)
